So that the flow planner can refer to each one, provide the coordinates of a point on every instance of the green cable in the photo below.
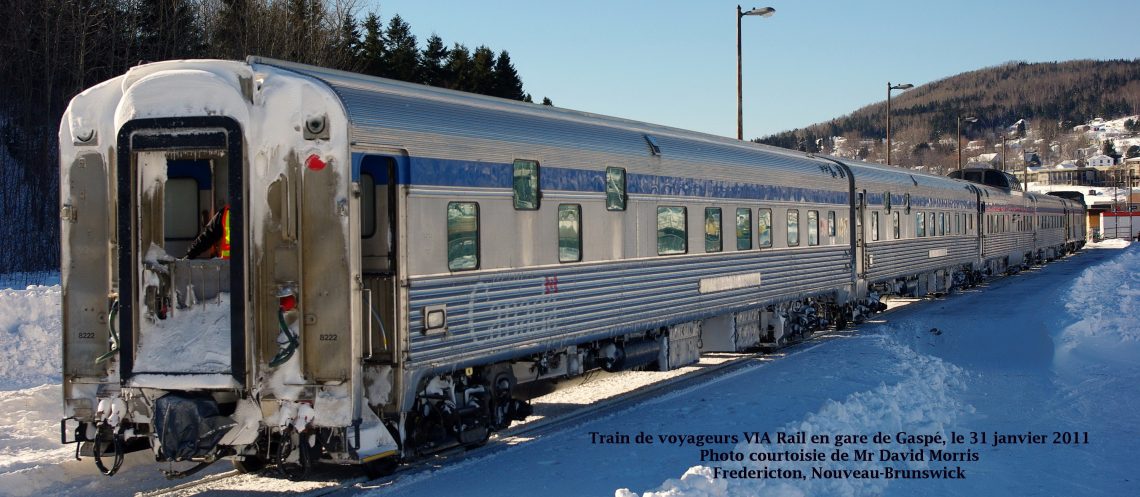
(114, 335)
(284, 354)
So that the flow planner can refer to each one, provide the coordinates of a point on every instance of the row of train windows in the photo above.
(672, 231)
(925, 224)
(1002, 223)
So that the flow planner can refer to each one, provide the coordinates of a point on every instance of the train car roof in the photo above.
(377, 105)
(866, 171)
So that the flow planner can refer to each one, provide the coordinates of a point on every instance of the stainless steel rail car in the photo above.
(920, 231)
(402, 257)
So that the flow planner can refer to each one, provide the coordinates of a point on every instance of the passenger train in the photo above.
(403, 257)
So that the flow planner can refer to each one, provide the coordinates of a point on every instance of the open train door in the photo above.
(376, 173)
(378, 255)
(177, 315)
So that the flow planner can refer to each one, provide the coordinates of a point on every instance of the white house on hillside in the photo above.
(986, 160)
(1100, 161)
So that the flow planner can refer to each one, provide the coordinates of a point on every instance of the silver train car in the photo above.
(402, 257)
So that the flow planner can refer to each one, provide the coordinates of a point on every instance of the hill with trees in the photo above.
(54, 49)
(1055, 97)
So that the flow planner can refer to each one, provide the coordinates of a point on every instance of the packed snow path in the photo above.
(1051, 350)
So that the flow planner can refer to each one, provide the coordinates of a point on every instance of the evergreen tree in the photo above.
(483, 71)
(347, 46)
(372, 46)
(507, 82)
(458, 68)
(1133, 151)
(432, 62)
(401, 55)
(1109, 149)
(547, 101)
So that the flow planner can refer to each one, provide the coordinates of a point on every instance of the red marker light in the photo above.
(288, 302)
(315, 163)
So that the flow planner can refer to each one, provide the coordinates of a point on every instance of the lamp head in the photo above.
(762, 11)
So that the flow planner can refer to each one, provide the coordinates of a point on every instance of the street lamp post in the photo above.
(763, 12)
(903, 86)
(1003, 137)
(970, 119)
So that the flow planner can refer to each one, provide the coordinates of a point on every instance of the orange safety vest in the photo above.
(224, 241)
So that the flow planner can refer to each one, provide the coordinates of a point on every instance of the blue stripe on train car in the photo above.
(475, 174)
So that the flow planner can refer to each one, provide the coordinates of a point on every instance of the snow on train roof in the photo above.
(376, 104)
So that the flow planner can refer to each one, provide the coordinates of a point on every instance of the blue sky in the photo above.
(673, 62)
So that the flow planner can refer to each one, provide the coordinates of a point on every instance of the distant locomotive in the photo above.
(402, 257)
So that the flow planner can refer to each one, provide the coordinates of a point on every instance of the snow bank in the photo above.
(1105, 300)
(925, 400)
(30, 330)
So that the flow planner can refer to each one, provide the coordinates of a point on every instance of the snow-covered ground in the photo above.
(1055, 349)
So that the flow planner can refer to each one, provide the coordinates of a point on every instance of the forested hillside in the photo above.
(54, 49)
(1054, 96)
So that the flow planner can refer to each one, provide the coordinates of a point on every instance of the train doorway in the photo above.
(180, 313)
(378, 256)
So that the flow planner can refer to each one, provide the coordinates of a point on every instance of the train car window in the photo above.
(919, 224)
(830, 223)
(180, 210)
(932, 224)
(569, 233)
(744, 229)
(942, 224)
(367, 206)
(813, 227)
(713, 239)
(970, 223)
(906, 201)
(672, 232)
(793, 227)
(896, 224)
(764, 227)
(887, 201)
(874, 226)
(462, 236)
(615, 189)
(526, 185)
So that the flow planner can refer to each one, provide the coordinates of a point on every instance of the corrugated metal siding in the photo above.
(508, 313)
(1052, 237)
(1002, 244)
(905, 257)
